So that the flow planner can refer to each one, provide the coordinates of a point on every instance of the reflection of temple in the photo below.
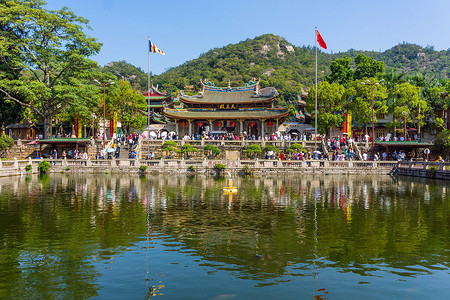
(236, 110)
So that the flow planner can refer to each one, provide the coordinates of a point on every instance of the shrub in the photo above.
(143, 168)
(191, 168)
(6, 142)
(187, 149)
(28, 168)
(68, 168)
(43, 166)
(253, 151)
(297, 148)
(219, 167)
(211, 150)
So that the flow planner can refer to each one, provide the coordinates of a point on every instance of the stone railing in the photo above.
(439, 170)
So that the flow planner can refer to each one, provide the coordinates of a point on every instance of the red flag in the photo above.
(320, 40)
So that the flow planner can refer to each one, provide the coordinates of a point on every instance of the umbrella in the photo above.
(152, 133)
(32, 143)
(110, 150)
(317, 152)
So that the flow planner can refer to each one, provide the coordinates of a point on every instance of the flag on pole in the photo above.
(320, 40)
(154, 49)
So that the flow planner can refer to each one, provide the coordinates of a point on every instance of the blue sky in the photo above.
(185, 29)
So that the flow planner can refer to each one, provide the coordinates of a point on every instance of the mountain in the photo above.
(280, 64)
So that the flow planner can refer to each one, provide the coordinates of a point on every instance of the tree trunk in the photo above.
(47, 127)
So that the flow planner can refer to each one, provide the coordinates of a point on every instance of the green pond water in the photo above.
(68, 236)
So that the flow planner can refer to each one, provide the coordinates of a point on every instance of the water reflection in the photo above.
(57, 230)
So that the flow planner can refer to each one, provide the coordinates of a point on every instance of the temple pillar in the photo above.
(241, 126)
(190, 127)
(276, 128)
(210, 124)
(176, 127)
(262, 129)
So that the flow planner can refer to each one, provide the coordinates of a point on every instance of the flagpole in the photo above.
(148, 95)
(315, 127)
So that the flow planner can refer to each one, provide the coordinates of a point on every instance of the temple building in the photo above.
(232, 109)
(156, 100)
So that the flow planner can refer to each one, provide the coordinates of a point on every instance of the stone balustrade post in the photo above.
(326, 163)
(138, 163)
(441, 166)
(16, 163)
(88, 162)
(64, 162)
(350, 164)
(280, 163)
(113, 161)
(1, 164)
(183, 164)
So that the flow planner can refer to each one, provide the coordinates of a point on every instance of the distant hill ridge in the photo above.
(281, 64)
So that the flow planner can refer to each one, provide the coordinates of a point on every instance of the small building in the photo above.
(156, 100)
(25, 131)
(228, 109)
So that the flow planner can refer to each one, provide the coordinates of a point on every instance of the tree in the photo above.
(169, 147)
(367, 67)
(407, 99)
(51, 50)
(341, 71)
(360, 105)
(253, 151)
(129, 105)
(187, 149)
(211, 151)
(6, 142)
(330, 104)
(441, 144)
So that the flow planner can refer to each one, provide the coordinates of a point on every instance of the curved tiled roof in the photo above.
(202, 114)
(229, 95)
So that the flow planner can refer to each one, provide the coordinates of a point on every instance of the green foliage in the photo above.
(143, 168)
(51, 50)
(211, 151)
(441, 144)
(296, 148)
(271, 148)
(433, 169)
(219, 167)
(125, 71)
(68, 168)
(191, 168)
(253, 151)
(130, 106)
(188, 149)
(341, 71)
(6, 142)
(43, 166)
(170, 143)
(361, 101)
(330, 103)
(28, 168)
(367, 67)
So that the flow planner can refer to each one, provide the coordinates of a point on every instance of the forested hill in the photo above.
(282, 65)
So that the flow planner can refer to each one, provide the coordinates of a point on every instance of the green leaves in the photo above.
(51, 50)
(330, 104)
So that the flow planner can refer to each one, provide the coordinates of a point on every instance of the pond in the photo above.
(79, 236)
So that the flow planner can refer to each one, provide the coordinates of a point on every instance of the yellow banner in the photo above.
(349, 124)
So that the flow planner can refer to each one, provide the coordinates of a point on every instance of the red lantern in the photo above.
(219, 124)
(200, 124)
(252, 124)
(183, 124)
(232, 124)
(269, 124)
